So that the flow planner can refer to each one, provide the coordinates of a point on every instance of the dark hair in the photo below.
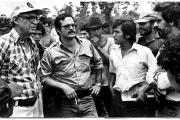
(40, 27)
(172, 14)
(169, 58)
(161, 6)
(62, 16)
(119, 21)
(46, 20)
(128, 27)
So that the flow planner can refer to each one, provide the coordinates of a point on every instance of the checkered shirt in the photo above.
(18, 66)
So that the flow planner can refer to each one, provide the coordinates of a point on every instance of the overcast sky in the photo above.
(7, 6)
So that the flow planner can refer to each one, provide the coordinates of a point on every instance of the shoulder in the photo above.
(84, 41)
(141, 48)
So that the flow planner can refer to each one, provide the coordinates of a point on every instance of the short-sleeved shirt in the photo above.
(61, 64)
(17, 65)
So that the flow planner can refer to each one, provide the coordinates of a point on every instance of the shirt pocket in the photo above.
(62, 64)
(84, 62)
(16, 65)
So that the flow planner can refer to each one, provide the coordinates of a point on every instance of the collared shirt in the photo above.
(132, 68)
(17, 65)
(155, 44)
(61, 64)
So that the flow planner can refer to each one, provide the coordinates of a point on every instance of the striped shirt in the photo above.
(19, 66)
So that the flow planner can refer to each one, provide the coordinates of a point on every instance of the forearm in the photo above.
(52, 83)
(112, 80)
(98, 74)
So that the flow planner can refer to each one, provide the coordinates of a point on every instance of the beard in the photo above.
(163, 33)
(146, 32)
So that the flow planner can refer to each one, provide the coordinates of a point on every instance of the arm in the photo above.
(47, 71)
(112, 82)
(112, 70)
(101, 52)
(98, 66)
(158, 75)
(97, 87)
(150, 59)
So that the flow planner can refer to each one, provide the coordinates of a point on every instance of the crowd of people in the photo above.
(49, 70)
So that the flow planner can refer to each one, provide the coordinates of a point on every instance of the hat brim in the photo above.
(35, 11)
(103, 25)
(142, 20)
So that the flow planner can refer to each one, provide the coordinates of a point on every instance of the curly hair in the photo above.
(57, 21)
(169, 58)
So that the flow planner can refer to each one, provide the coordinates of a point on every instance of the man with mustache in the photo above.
(66, 67)
(168, 22)
(149, 37)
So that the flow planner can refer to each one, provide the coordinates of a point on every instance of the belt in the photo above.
(82, 93)
(27, 102)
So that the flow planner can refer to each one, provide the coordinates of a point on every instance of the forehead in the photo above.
(67, 20)
(158, 15)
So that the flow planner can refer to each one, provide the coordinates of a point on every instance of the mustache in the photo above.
(71, 31)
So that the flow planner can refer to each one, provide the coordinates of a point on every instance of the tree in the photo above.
(106, 9)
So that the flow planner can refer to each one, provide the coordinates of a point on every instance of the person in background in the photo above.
(37, 34)
(167, 25)
(19, 61)
(66, 67)
(47, 39)
(84, 31)
(103, 45)
(149, 37)
(129, 64)
(169, 59)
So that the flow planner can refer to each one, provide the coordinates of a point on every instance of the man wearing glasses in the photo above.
(19, 59)
(66, 67)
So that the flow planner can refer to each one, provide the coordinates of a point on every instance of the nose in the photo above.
(114, 34)
(156, 25)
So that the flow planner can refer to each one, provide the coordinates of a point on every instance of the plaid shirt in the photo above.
(18, 66)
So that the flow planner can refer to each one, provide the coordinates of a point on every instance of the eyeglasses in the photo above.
(31, 18)
(69, 25)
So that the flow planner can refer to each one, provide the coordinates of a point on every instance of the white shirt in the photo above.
(132, 68)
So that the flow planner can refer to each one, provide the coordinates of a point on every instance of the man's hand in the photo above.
(69, 92)
(95, 89)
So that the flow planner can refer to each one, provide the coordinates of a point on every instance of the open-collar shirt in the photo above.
(17, 65)
(69, 67)
(132, 67)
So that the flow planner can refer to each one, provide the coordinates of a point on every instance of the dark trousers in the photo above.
(103, 102)
(127, 108)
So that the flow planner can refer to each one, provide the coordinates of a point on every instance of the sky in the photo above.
(7, 6)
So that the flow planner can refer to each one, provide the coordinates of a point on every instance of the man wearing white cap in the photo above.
(19, 60)
(149, 37)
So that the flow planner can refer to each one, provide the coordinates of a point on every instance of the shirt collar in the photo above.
(134, 47)
(16, 37)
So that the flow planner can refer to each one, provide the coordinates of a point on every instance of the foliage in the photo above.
(5, 25)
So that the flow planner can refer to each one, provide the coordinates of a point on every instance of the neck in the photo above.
(150, 36)
(68, 42)
(21, 34)
(125, 46)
